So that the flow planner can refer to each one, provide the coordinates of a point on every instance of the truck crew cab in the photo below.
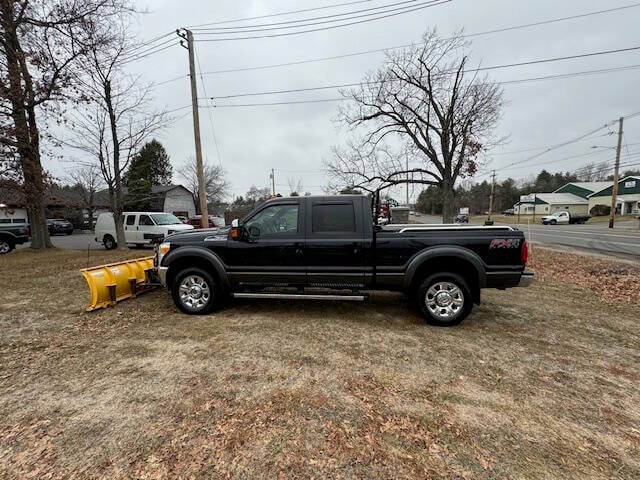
(329, 248)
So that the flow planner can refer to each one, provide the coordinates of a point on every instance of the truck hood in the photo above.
(195, 236)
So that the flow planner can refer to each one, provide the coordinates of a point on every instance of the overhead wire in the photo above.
(300, 22)
(431, 3)
(209, 111)
(354, 84)
(281, 14)
(367, 52)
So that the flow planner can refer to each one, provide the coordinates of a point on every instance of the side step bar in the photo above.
(301, 296)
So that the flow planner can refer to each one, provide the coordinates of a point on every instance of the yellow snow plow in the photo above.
(111, 283)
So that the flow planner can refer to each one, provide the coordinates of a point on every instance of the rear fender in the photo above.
(437, 252)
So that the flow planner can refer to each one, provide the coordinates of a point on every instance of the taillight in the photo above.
(525, 252)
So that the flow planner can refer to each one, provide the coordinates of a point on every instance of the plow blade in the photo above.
(109, 284)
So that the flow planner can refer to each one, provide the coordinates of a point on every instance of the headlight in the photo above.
(163, 249)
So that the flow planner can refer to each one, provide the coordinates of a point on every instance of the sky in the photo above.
(294, 139)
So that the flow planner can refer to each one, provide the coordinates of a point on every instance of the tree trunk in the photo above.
(116, 194)
(448, 206)
(25, 131)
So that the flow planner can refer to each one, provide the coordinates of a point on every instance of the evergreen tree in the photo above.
(149, 168)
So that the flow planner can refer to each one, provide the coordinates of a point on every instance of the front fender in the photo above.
(204, 257)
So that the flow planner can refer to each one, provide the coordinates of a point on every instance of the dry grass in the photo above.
(537, 383)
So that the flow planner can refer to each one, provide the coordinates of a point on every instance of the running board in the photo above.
(301, 296)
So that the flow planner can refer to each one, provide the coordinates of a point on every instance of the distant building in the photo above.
(175, 199)
(627, 200)
(548, 203)
(583, 189)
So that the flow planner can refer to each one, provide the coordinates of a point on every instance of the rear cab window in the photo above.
(335, 218)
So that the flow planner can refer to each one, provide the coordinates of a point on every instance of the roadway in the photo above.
(624, 240)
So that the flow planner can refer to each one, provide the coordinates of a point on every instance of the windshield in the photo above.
(165, 219)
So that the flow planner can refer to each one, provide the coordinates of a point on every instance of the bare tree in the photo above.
(354, 168)
(40, 41)
(215, 181)
(594, 172)
(89, 179)
(295, 186)
(117, 120)
(425, 97)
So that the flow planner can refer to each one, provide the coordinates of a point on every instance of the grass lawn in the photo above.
(541, 382)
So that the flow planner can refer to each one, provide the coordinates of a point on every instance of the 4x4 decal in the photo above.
(504, 243)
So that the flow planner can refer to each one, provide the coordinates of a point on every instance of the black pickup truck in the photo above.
(12, 232)
(330, 248)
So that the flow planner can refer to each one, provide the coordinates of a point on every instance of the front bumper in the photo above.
(526, 279)
(162, 275)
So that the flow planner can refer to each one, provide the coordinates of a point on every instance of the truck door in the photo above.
(334, 252)
(130, 226)
(273, 253)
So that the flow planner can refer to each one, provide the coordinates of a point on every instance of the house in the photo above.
(174, 199)
(627, 200)
(548, 203)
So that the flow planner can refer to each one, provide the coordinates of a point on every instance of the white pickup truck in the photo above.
(564, 218)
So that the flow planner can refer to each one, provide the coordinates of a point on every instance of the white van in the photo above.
(140, 228)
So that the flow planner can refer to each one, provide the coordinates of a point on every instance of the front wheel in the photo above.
(444, 299)
(5, 246)
(554, 222)
(195, 291)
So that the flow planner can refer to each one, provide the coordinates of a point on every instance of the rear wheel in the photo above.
(109, 242)
(195, 291)
(444, 299)
(5, 246)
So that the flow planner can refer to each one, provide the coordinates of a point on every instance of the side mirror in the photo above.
(235, 230)
(254, 231)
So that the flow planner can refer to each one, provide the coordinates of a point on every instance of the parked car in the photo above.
(183, 219)
(59, 225)
(509, 211)
(328, 248)
(564, 218)
(140, 228)
(13, 231)
(462, 218)
(196, 221)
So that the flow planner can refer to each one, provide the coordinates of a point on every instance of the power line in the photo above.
(367, 52)
(431, 3)
(354, 84)
(142, 55)
(292, 12)
(287, 24)
(210, 114)
(293, 102)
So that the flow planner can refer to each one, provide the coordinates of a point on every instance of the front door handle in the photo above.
(299, 250)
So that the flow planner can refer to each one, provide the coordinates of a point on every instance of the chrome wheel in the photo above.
(444, 300)
(5, 247)
(194, 292)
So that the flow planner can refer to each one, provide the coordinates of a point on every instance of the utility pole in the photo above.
(493, 185)
(272, 176)
(202, 191)
(616, 174)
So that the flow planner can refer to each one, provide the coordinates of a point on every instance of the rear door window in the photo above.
(333, 218)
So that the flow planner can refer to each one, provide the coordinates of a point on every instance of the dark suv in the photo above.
(59, 225)
(12, 232)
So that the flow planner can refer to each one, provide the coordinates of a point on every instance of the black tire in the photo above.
(6, 246)
(454, 308)
(196, 292)
(109, 242)
(70, 233)
(554, 222)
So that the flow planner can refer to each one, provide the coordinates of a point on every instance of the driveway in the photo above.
(77, 241)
